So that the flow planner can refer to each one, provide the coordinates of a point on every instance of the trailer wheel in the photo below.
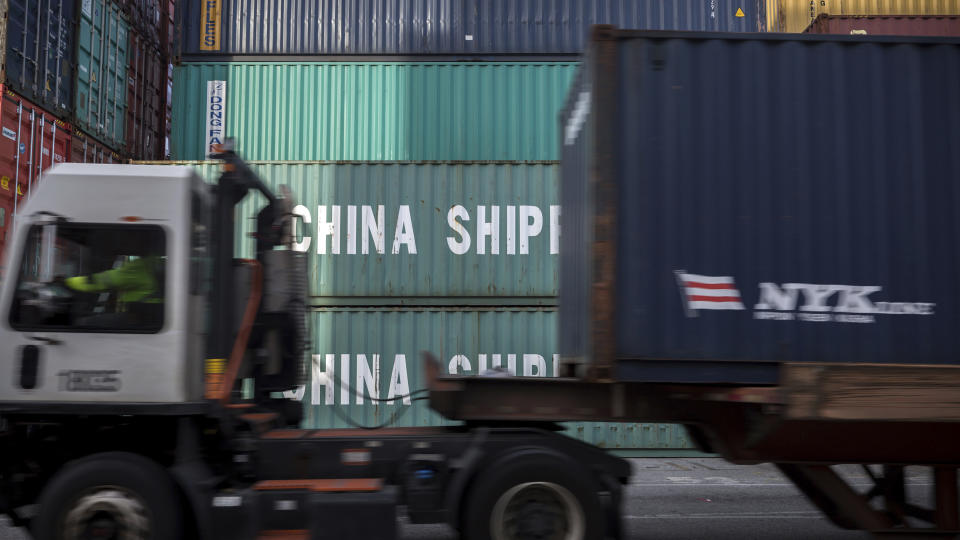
(110, 496)
(533, 497)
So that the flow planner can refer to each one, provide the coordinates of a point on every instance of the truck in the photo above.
(128, 320)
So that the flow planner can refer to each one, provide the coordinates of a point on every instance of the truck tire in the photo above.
(114, 495)
(533, 496)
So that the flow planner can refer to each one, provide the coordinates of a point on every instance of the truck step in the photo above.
(284, 534)
(322, 485)
(314, 508)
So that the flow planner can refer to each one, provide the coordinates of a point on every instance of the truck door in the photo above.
(88, 315)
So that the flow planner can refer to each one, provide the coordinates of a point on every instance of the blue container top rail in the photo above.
(727, 230)
(438, 27)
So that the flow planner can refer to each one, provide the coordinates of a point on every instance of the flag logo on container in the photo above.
(708, 292)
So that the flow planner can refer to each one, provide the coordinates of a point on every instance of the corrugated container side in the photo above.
(376, 352)
(86, 149)
(145, 17)
(752, 233)
(895, 25)
(514, 263)
(166, 41)
(146, 84)
(468, 333)
(376, 111)
(796, 15)
(101, 75)
(38, 41)
(575, 133)
(6, 219)
(31, 141)
(438, 27)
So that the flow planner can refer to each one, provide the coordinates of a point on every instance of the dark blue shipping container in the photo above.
(437, 27)
(38, 39)
(731, 203)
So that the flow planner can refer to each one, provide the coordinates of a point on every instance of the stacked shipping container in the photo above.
(82, 80)
(892, 25)
(449, 246)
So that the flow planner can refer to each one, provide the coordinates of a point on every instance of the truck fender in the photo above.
(465, 467)
(193, 478)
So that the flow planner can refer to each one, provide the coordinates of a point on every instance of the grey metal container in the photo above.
(722, 229)
(437, 27)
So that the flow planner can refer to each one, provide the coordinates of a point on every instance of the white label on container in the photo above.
(216, 114)
(10, 134)
(87, 7)
(468, 37)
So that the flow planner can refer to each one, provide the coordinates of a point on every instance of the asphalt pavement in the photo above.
(694, 498)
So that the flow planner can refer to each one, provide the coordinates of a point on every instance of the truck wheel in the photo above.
(533, 497)
(110, 496)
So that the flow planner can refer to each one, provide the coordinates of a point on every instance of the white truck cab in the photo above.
(104, 298)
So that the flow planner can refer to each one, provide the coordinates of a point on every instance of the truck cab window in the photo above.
(91, 278)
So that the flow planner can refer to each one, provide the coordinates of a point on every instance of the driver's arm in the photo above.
(127, 276)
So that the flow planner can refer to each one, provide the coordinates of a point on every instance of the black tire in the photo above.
(136, 482)
(533, 476)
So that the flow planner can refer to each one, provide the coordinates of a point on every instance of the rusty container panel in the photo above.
(146, 86)
(86, 149)
(363, 352)
(6, 220)
(746, 234)
(796, 15)
(893, 25)
(31, 141)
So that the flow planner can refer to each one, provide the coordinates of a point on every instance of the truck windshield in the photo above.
(94, 278)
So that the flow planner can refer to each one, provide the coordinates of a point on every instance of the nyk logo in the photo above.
(809, 302)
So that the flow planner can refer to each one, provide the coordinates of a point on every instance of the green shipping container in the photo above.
(476, 310)
(364, 352)
(419, 233)
(410, 111)
(100, 100)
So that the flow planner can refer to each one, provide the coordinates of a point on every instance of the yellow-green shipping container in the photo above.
(796, 15)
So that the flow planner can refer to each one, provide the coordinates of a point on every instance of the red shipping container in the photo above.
(146, 86)
(6, 219)
(31, 140)
(145, 16)
(886, 25)
(86, 149)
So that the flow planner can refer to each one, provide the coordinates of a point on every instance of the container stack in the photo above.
(421, 140)
(83, 80)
